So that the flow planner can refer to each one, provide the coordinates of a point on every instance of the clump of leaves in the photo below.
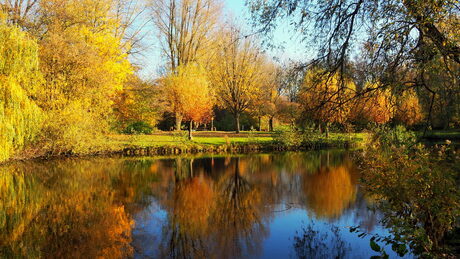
(376, 239)
(415, 189)
(138, 127)
(181, 137)
(287, 136)
(385, 136)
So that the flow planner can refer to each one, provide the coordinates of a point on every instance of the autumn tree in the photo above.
(287, 111)
(19, 12)
(375, 106)
(326, 98)
(408, 109)
(399, 35)
(268, 94)
(185, 29)
(188, 93)
(20, 78)
(236, 73)
(138, 101)
(84, 63)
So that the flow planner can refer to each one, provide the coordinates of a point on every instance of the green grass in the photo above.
(199, 138)
(209, 138)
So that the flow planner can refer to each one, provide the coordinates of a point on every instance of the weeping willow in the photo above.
(20, 117)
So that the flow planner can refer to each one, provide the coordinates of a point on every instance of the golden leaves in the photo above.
(188, 92)
(330, 191)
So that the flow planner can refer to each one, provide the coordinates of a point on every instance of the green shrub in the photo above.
(397, 136)
(138, 127)
(287, 136)
(310, 134)
(181, 137)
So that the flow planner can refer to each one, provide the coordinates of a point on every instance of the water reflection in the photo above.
(70, 209)
(326, 243)
(330, 190)
(214, 207)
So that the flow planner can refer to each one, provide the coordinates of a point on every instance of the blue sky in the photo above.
(291, 48)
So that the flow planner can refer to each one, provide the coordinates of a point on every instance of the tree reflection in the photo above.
(192, 203)
(66, 209)
(330, 191)
(209, 208)
(212, 219)
(239, 215)
(324, 243)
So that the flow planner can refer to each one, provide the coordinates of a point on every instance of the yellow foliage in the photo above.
(187, 92)
(409, 110)
(375, 105)
(20, 117)
(84, 65)
(327, 96)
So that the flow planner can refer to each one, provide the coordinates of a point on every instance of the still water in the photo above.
(285, 205)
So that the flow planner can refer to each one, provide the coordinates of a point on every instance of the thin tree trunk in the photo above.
(212, 124)
(428, 119)
(327, 130)
(237, 122)
(190, 137)
(178, 121)
(270, 124)
(260, 123)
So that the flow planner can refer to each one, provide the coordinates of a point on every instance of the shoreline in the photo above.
(191, 148)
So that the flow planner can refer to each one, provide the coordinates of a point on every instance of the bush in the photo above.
(310, 134)
(287, 136)
(138, 127)
(416, 192)
(398, 136)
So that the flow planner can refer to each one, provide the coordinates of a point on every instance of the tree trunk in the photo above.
(327, 130)
(178, 121)
(190, 137)
(212, 124)
(237, 122)
(270, 124)
(260, 123)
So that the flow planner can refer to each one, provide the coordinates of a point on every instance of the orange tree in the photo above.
(187, 93)
(326, 97)
(375, 105)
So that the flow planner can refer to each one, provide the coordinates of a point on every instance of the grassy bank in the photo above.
(170, 143)
(219, 142)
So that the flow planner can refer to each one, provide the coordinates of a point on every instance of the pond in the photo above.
(283, 205)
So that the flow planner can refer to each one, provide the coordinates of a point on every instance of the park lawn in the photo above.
(199, 138)
(217, 138)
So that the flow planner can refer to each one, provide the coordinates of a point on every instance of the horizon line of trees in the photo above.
(67, 78)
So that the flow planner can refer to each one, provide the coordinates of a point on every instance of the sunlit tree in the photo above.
(20, 79)
(409, 110)
(186, 30)
(84, 64)
(326, 98)
(188, 93)
(236, 73)
(377, 106)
